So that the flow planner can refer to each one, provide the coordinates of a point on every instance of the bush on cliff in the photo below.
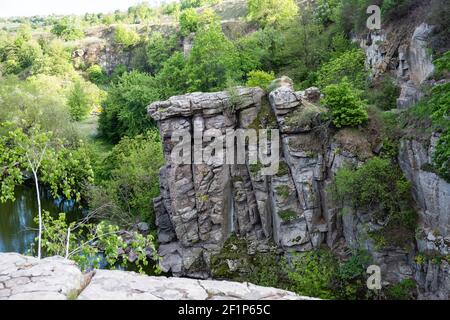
(380, 187)
(347, 108)
(260, 79)
(125, 36)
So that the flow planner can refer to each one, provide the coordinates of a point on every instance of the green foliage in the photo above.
(283, 191)
(128, 178)
(326, 11)
(125, 36)
(439, 105)
(264, 269)
(436, 107)
(188, 21)
(385, 94)
(64, 171)
(81, 100)
(441, 156)
(287, 215)
(395, 9)
(86, 241)
(124, 110)
(43, 103)
(272, 12)
(350, 281)
(442, 66)
(213, 60)
(347, 109)
(171, 80)
(349, 65)
(140, 13)
(380, 187)
(260, 79)
(68, 29)
(404, 290)
(311, 273)
(96, 74)
(159, 49)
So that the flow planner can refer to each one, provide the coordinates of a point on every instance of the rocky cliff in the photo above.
(400, 50)
(27, 278)
(201, 205)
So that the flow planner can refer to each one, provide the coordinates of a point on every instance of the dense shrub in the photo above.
(349, 65)
(311, 273)
(96, 74)
(260, 79)
(380, 187)
(347, 108)
(172, 79)
(125, 36)
(441, 156)
(82, 99)
(130, 179)
(384, 94)
(68, 29)
(272, 12)
(395, 9)
(404, 290)
(350, 279)
(189, 21)
(158, 50)
(124, 110)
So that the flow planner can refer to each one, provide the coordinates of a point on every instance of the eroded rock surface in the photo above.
(27, 278)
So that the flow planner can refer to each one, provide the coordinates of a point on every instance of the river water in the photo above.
(17, 228)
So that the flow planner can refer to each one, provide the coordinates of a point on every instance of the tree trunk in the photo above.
(36, 181)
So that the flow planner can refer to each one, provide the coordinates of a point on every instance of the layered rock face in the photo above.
(202, 204)
(27, 278)
(405, 56)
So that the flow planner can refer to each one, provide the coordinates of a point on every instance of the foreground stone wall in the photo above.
(27, 278)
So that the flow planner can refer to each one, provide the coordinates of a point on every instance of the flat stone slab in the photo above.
(123, 285)
(28, 278)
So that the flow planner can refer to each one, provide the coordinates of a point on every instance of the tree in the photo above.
(350, 64)
(272, 12)
(159, 49)
(124, 110)
(189, 21)
(47, 160)
(68, 29)
(213, 60)
(172, 79)
(78, 102)
(82, 98)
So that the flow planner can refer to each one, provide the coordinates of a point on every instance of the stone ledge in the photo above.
(54, 278)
